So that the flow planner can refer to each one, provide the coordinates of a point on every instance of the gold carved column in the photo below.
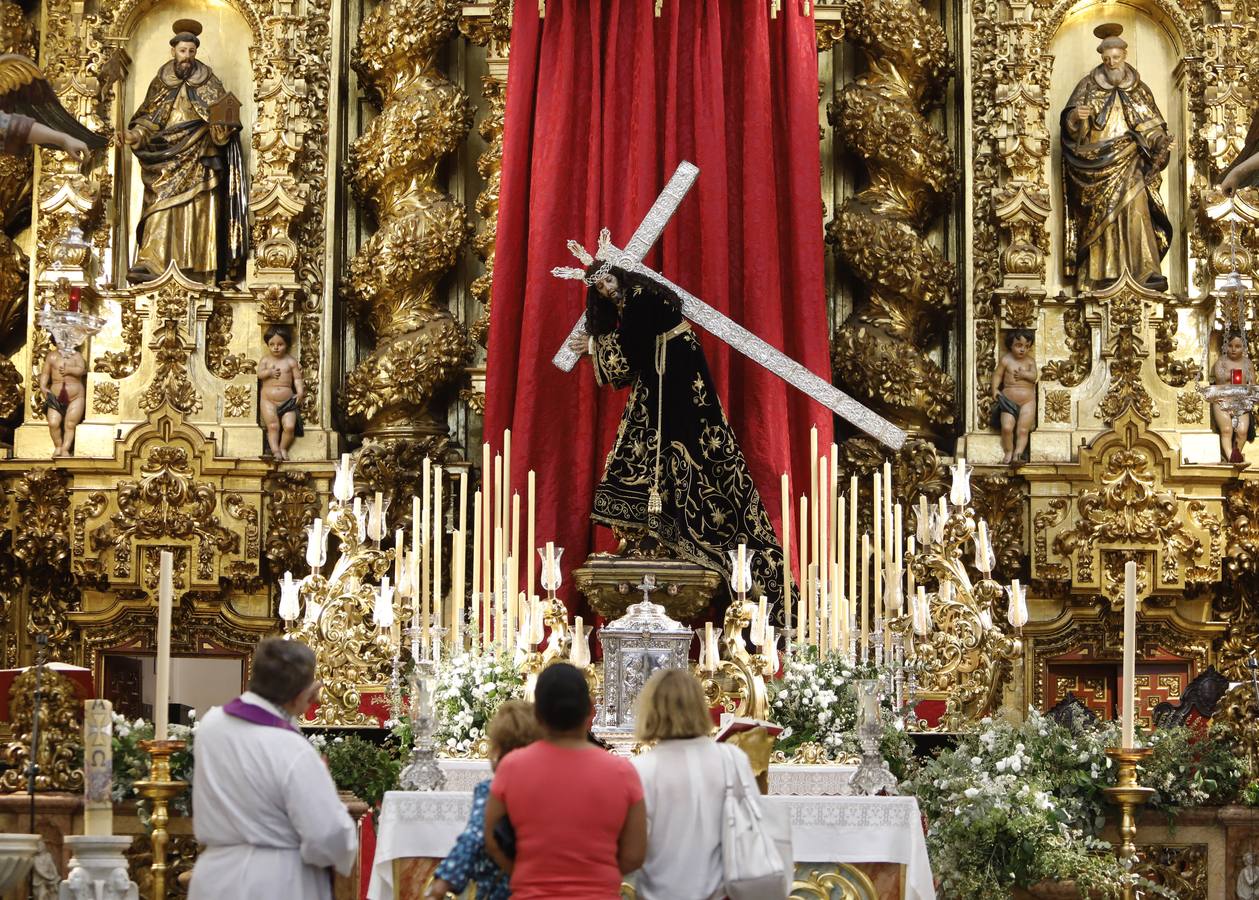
(399, 390)
(883, 352)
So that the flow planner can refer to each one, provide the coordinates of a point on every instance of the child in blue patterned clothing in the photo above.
(513, 726)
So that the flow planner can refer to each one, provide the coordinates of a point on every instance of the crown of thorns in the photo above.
(605, 241)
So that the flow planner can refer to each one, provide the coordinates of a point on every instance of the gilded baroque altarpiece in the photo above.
(373, 140)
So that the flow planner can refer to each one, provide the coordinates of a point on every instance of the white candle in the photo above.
(377, 522)
(824, 555)
(315, 545)
(1128, 711)
(876, 571)
(579, 655)
(802, 598)
(500, 638)
(510, 536)
(813, 505)
(865, 595)
(165, 597)
(426, 512)
(762, 621)
(439, 533)
(785, 496)
(1018, 605)
(487, 533)
(714, 652)
(531, 533)
(477, 595)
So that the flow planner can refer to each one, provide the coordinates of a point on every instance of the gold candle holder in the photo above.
(1128, 796)
(160, 789)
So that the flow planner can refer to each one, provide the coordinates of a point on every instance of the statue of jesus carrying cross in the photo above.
(676, 469)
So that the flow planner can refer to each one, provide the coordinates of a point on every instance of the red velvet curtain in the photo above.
(604, 99)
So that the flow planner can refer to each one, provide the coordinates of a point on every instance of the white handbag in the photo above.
(754, 864)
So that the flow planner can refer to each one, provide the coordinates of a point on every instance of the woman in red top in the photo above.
(577, 810)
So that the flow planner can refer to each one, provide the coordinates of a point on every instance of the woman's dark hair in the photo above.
(281, 670)
(562, 697)
(278, 331)
(1015, 333)
(601, 314)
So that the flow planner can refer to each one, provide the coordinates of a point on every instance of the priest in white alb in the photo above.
(264, 805)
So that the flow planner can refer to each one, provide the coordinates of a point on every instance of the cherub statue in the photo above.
(65, 397)
(1233, 366)
(1248, 878)
(1014, 389)
(31, 114)
(282, 392)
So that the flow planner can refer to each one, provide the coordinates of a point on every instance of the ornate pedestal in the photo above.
(608, 579)
(98, 868)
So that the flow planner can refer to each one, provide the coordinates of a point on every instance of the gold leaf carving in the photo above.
(60, 745)
(880, 232)
(1057, 406)
(105, 398)
(119, 365)
(170, 382)
(1189, 406)
(292, 505)
(1073, 370)
(218, 358)
(236, 399)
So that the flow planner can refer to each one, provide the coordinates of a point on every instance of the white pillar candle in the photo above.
(477, 596)
(165, 599)
(785, 497)
(802, 599)
(1128, 707)
(531, 538)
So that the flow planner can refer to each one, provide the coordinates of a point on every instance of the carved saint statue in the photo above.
(1014, 389)
(1115, 145)
(282, 392)
(1233, 367)
(186, 139)
(65, 397)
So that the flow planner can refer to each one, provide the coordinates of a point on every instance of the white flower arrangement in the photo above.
(470, 687)
(815, 704)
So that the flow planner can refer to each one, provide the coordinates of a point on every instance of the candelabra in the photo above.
(733, 678)
(959, 651)
(159, 789)
(69, 327)
(348, 614)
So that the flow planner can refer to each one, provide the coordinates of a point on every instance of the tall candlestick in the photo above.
(412, 576)
(854, 543)
(439, 534)
(398, 546)
(865, 595)
(876, 570)
(165, 597)
(1128, 711)
(710, 641)
(579, 652)
(456, 594)
(487, 532)
(802, 599)
(813, 506)
(507, 492)
(461, 557)
(824, 555)
(426, 511)
(531, 531)
(513, 571)
(887, 510)
(785, 495)
(839, 532)
(898, 548)
(815, 612)
(923, 531)
(377, 520)
(762, 619)
(478, 595)
(836, 518)
(500, 515)
(500, 638)
(911, 545)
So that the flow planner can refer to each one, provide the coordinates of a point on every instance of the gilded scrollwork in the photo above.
(218, 357)
(883, 352)
(916, 471)
(42, 522)
(10, 389)
(170, 382)
(1072, 371)
(60, 745)
(122, 363)
(1241, 510)
(292, 503)
(1001, 501)
(1189, 407)
(236, 400)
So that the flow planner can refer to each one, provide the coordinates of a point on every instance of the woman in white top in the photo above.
(684, 786)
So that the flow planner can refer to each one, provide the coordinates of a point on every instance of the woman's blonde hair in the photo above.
(514, 726)
(671, 706)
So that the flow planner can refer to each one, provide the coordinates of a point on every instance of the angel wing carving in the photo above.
(24, 90)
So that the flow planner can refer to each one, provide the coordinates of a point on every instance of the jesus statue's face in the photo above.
(1235, 349)
(607, 285)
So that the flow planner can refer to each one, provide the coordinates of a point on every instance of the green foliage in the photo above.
(1188, 769)
(364, 769)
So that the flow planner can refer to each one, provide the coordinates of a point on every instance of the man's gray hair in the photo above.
(281, 670)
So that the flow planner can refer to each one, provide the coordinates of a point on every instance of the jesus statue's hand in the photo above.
(578, 342)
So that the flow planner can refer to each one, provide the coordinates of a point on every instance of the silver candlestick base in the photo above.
(422, 772)
(872, 775)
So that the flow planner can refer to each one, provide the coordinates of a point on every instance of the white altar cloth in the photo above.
(823, 830)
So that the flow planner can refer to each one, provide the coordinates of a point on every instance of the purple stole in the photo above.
(239, 709)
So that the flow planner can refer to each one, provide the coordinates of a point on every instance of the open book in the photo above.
(733, 725)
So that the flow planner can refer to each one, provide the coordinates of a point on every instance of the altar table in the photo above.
(825, 830)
